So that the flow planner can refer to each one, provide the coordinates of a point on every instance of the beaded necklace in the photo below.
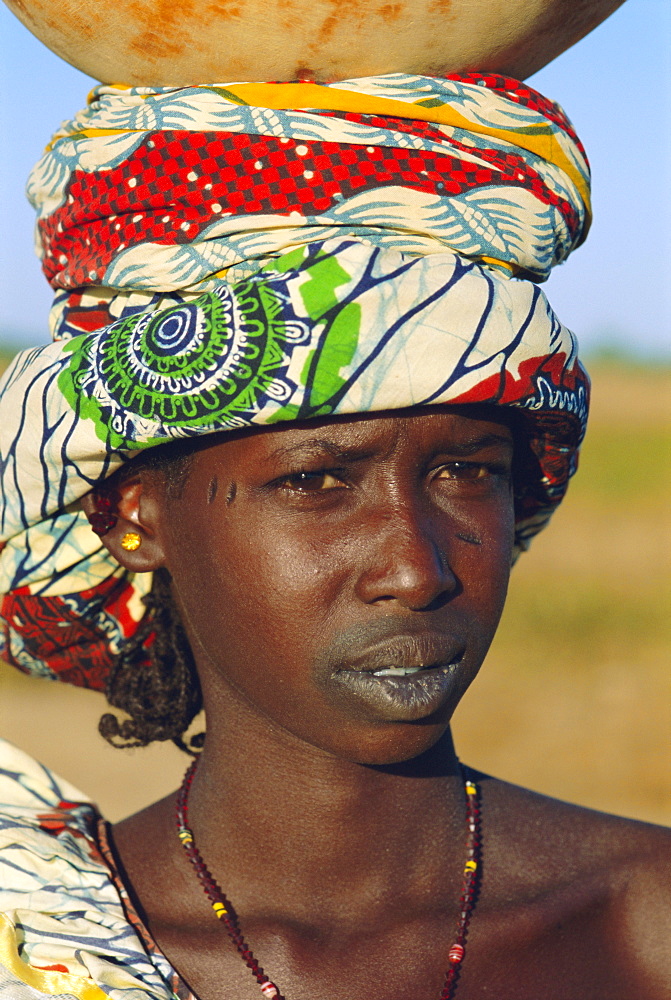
(224, 911)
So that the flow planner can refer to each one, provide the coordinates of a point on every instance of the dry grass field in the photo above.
(575, 697)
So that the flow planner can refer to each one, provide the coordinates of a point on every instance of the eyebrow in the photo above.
(474, 445)
(317, 446)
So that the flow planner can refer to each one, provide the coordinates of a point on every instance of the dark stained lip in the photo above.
(429, 651)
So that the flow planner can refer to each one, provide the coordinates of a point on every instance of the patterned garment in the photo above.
(67, 927)
(239, 255)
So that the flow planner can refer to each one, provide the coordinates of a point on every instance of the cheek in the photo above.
(481, 553)
(251, 588)
(496, 535)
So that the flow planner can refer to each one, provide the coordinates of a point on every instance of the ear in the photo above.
(136, 511)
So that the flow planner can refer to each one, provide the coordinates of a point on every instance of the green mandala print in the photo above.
(210, 363)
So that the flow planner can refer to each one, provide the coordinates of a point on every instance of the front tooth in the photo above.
(396, 671)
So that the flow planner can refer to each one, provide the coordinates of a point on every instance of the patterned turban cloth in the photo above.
(230, 256)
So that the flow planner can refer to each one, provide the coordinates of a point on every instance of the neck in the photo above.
(297, 817)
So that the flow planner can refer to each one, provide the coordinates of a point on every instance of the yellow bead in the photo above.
(131, 541)
(219, 909)
(185, 837)
(470, 788)
(471, 866)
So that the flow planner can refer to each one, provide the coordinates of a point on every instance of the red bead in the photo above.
(102, 523)
(456, 953)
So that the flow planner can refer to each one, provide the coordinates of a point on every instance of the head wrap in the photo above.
(235, 255)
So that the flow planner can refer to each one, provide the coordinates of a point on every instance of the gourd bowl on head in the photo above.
(159, 43)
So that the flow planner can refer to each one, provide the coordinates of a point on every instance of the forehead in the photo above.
(416, 431)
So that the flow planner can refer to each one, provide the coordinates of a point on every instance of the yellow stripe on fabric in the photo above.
(292, 96)
(505, 264)
(535, 138)
(51, 984)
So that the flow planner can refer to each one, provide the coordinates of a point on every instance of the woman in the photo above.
(349, 418)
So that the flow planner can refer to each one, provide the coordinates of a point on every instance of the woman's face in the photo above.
(343, 580)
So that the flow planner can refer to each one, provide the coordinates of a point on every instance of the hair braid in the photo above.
(154, 679)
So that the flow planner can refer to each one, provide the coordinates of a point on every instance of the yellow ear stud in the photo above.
(131, 541)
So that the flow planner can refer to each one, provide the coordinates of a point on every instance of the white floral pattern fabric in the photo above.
(67, 928)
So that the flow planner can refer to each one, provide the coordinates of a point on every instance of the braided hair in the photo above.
(153, 678)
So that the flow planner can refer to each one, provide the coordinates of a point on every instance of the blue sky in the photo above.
(615, 85)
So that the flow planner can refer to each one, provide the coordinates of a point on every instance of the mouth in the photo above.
(406, 656)
(407, 678)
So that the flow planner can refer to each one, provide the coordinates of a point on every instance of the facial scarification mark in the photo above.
(471, 539)
(230, 496)
(212, 489)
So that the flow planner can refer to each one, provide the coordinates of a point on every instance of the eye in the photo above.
(465, 471)
(311, 482)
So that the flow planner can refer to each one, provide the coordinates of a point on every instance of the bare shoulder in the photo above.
(572, 827)
(602, 879)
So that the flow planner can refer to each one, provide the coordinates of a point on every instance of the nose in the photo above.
(403, 561)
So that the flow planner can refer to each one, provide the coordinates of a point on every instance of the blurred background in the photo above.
(575, 697)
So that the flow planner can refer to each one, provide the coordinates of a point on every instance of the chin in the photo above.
(420, 743)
